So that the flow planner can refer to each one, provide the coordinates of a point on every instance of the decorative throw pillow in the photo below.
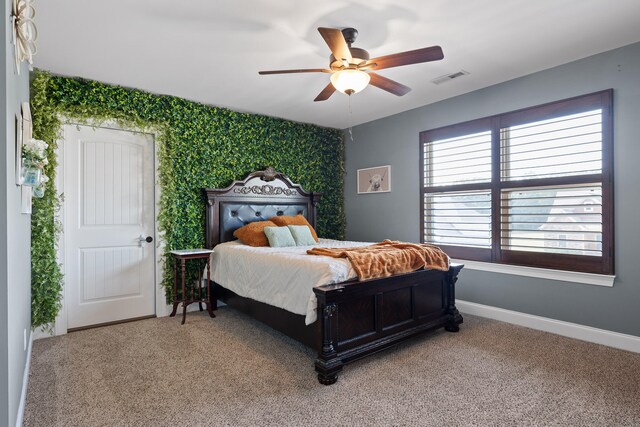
(279, 237)
(302, 235)
(283, 220)
(252, 234)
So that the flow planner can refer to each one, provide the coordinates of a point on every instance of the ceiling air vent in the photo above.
(449, 77)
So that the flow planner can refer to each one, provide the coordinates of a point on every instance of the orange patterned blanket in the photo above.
(388, 258)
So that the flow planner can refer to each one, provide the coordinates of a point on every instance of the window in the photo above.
(532, 187)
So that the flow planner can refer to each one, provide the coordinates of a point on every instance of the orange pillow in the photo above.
(252, 234)
(284, 220)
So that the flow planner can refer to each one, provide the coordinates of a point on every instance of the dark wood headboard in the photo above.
(258, 197)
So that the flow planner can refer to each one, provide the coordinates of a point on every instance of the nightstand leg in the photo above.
(184, 293)
(199, 286)
(175, 286)
(208, 284)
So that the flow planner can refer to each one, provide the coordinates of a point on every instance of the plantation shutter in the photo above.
(532, 187)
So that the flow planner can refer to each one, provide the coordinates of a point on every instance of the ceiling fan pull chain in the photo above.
(350, 120)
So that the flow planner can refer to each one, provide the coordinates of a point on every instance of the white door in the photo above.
(108, 212)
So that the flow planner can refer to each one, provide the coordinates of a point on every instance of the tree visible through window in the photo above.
(531, 187)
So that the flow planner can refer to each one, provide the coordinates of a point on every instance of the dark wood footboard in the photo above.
(361, 318)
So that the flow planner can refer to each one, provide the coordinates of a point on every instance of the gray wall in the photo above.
(394, 140)
(15, 241)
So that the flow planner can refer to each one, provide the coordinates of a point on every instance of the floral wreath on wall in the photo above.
(25, 32)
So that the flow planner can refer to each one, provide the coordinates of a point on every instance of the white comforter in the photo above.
(283, 277)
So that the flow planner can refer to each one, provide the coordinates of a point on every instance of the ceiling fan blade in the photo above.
(389, 85)
(433, 53)
(338, 45)
(304, 70)
(326, 93)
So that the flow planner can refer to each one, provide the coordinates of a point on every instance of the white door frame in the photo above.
(161, 308)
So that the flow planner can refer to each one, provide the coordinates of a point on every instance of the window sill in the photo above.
(541, 273)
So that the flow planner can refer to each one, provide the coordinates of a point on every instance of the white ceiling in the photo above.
(211, 50)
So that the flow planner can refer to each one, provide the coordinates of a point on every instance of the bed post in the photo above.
(328, 365)
(453, 315)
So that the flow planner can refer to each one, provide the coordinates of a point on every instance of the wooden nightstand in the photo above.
(192, 296)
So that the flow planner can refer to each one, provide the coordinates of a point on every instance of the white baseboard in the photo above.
(567, 329)
(25, 384)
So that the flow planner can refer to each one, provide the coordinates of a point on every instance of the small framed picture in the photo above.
(374, 180)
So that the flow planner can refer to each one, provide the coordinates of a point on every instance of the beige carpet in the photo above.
(233, 371)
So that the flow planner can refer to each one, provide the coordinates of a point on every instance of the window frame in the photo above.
(603, 264)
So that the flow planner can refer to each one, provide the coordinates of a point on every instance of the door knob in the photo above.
(147, 239)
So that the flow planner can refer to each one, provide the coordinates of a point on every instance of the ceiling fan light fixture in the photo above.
(350, 81)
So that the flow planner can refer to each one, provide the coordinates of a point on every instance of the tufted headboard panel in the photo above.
(235, 215)
(260, 196)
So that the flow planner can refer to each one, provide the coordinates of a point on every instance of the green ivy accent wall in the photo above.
(199, 146)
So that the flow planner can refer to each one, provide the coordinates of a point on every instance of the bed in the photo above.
(354, 318)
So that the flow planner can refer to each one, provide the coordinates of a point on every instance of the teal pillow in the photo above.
(302, 235)
(279, 237)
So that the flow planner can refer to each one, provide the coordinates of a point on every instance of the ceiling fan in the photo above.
(351, 68)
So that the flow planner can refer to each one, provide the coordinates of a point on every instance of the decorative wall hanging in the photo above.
(33, 156)
(25, 32)
(374, 180)
(34, 159)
